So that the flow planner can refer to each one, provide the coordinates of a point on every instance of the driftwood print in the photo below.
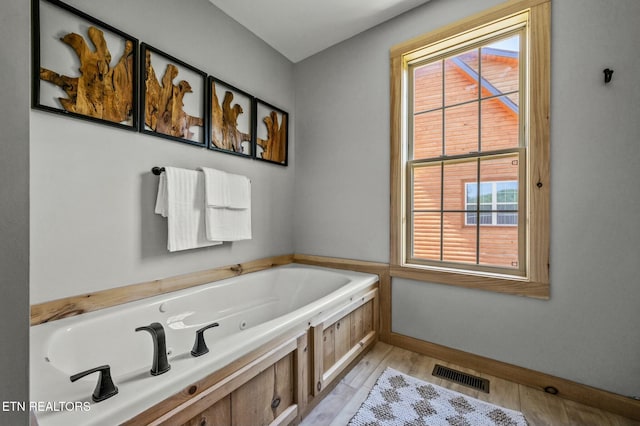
(224, 123)
(164, 103)
(275, 146)
(100, 91)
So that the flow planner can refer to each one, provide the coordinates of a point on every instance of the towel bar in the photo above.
(158, 170)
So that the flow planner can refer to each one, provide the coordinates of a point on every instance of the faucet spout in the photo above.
(160, 362)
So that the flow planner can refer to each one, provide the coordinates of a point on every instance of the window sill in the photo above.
(488, 282)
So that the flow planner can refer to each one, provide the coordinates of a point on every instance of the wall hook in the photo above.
(607, 75)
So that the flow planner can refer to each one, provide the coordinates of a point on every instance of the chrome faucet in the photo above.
(160, 363)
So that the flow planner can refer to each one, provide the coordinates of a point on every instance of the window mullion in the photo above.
(478, 202)
(494, 203)
(479, 150)
(442, 211)
(443, 70)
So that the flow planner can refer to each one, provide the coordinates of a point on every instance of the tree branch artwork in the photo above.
(224, 123)
(275, 146)
(100, 91)
(164, 103)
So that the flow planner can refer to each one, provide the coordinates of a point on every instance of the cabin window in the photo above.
(470, 150)
(491, 203)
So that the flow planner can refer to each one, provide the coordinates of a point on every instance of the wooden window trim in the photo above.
(536, 282)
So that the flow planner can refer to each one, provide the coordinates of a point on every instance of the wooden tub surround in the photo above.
(280, 382)
(301, 369)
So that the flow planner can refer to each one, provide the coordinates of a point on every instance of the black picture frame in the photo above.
(231, 119)
(107, 94)
(271, 133)
(189, 95)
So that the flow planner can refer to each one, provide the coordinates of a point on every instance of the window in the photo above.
(470, 152)
(498, 203)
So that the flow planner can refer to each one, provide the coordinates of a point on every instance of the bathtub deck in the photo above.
(538, 407)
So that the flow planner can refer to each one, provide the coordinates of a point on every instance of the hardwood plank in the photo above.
(606, 401)
(357, 326)
(341, 263)
(284, 384)
(499, 285)
(304, 374)
(422, 368)
(318, 356)
(540, 408)
(369, 363)
(342, 338)
(287, 418)
(383, 311)
(583, 415)
(501, 392)
(539, 217)
(367, 318)
(219, 414)
(337, 369)
(398, 359)
(324, 413)
(351, 407)
(328, 347)
(251, 402)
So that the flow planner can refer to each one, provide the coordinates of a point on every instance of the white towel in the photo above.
(216, 188)
(181, 200)
(228, 211)
(239, 190)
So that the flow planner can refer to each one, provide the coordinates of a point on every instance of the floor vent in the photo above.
(461, 378)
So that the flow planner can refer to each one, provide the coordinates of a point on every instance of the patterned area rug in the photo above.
(401, 400)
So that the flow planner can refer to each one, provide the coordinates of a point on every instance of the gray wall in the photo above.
(92, 226)
(92, 192)
(14, 206)
(588, 330)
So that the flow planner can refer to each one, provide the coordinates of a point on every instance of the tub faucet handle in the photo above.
(200, 346)
(105, 388)
(160, 362)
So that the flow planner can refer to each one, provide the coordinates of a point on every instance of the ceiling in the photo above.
(300, 28)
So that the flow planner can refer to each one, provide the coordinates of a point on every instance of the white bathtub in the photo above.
(251, 309)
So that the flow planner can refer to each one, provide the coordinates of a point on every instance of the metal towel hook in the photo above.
(608, 73)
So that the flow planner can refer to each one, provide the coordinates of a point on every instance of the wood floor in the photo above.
(538, 407)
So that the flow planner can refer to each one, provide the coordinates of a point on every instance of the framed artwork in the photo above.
(173, 97)
(82, 67)
(272, 134)
(231, 117)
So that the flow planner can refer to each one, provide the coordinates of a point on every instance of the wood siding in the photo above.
(485, 124)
